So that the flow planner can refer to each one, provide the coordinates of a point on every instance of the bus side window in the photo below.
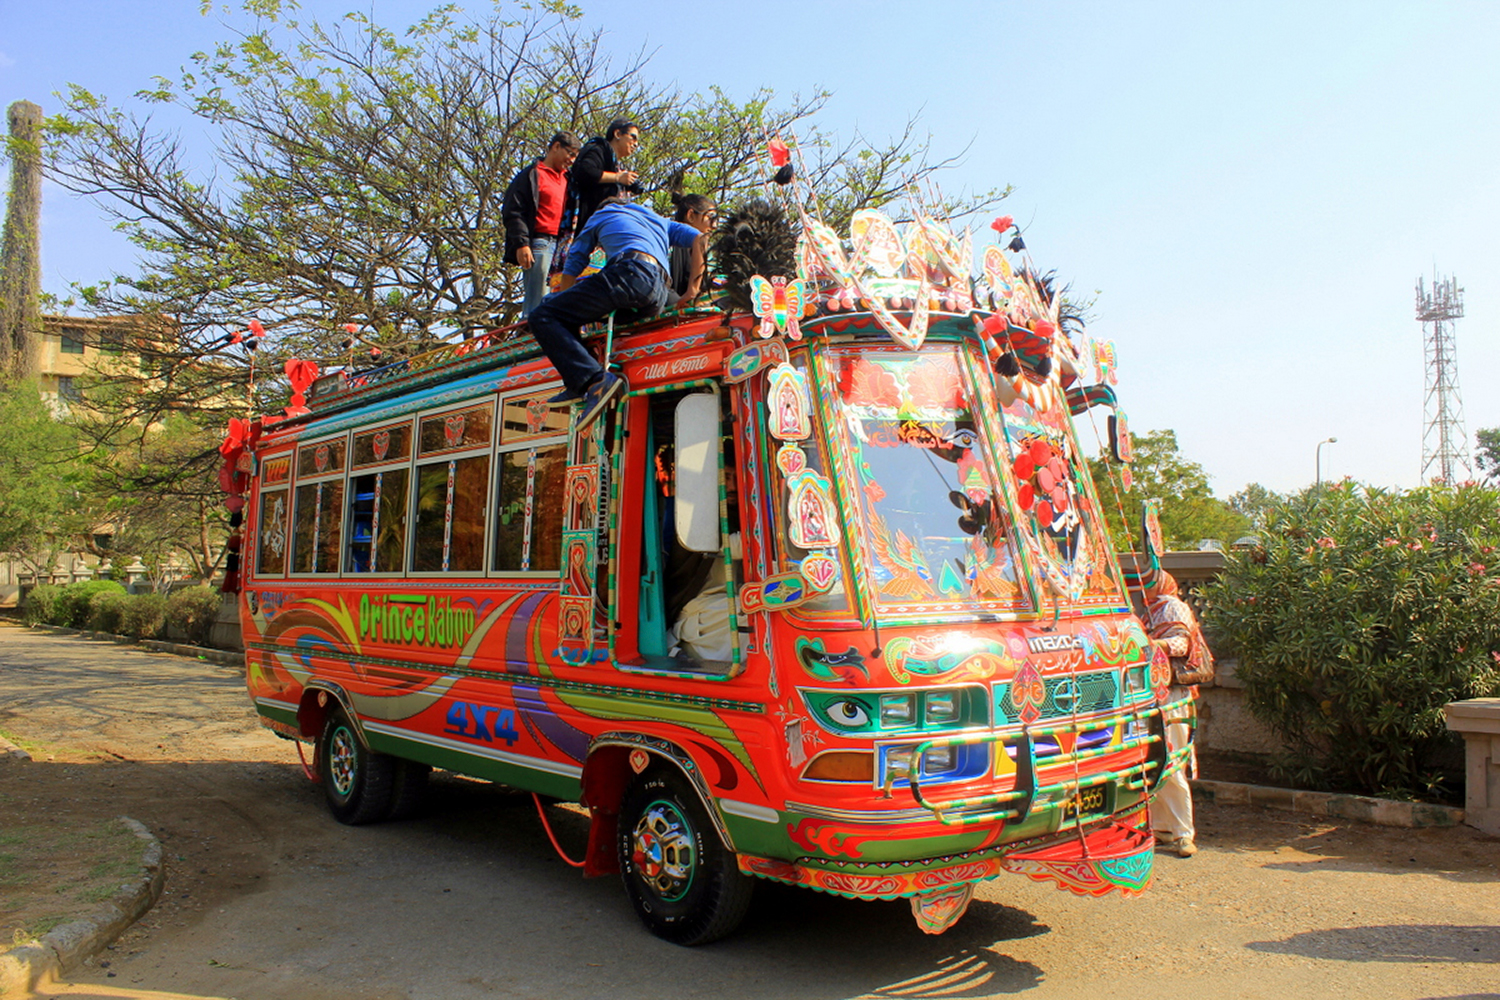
(378, 500)
(270, 556)
(318, 507)
(529, 487)
(448, 535)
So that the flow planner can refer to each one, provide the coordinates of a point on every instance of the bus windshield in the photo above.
(935, 525)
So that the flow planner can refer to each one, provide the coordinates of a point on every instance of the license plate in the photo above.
(1088, 801)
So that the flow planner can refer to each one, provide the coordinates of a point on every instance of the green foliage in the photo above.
(73, 608)
(192, 611)
(106, 609)
(42, 604)
(144, 617)
(1363, 614)
(39, 477)
(1189, 510)
(1487, 456)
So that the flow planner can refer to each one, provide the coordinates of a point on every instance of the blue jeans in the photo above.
(627, 283)
(534, 278)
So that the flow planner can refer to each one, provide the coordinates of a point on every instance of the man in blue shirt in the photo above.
(636, 242)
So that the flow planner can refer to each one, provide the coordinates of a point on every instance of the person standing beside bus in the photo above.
(596, 173)
(636, 242)
(1173, 625)
(539, 207)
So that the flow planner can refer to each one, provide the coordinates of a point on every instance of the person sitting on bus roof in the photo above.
(596, 173)
(700, 212)
(634, 277)
(538, 208)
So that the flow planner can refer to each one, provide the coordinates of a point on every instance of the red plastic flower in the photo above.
(780, 154)
(1002, 224)
(873, 492)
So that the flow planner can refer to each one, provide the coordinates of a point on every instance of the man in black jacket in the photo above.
(539, 208)
(597, 174)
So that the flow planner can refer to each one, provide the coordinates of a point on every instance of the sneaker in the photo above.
(599, 395)
(566, 396)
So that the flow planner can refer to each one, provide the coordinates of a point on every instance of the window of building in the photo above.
(111, 341)
(68, 389)
(71, 343)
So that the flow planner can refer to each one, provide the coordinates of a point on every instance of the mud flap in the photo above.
(1112, 858)
(940, 909)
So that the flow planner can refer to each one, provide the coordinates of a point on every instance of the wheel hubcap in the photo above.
(341, 752)
(662, 850)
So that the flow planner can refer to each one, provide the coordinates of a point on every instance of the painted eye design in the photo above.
(963, 438)
(849, 713)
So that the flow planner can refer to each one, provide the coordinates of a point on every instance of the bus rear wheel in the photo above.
(685, 885)
(357, 782)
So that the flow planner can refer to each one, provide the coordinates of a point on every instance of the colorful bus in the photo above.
(826, 598)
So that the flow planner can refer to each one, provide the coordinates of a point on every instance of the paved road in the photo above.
(268, 897)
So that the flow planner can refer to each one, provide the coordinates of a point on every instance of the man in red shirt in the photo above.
(538, 209)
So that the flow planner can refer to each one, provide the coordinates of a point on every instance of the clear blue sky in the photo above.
(1252, 188)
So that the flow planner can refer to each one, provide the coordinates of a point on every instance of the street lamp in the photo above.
(1319, 457)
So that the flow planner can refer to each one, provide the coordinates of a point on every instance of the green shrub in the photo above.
(144, 617)
(42, 604)
(192, 611)
(1364, 612)
(106, 609)
(73, 605)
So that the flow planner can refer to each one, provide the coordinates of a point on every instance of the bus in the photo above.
(825, 598)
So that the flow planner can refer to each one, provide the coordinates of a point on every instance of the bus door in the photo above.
(675, 571)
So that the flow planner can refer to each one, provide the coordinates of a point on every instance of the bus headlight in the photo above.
(897, 710)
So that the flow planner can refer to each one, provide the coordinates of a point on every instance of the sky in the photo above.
(1250, 189)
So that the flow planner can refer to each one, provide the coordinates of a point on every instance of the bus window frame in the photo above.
(418, 460)
(525, 443)
(285, 487)
(317, 479)
(370, 469)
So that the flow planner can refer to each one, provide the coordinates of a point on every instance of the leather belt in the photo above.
(643, 255)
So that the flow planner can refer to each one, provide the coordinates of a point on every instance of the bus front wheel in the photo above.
(683, 882)
(357, 782)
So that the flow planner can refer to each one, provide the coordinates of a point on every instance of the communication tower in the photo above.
(1445, 445)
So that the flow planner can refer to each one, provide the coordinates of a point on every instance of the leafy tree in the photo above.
(1189, 510)
(1488, 455)
(1254, 502)
(1364, 612)
(40, 475)
(359, 175)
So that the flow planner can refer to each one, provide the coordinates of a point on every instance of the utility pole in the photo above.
(20, 247)
(1445, 445)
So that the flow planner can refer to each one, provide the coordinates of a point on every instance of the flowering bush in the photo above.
(1360, 616)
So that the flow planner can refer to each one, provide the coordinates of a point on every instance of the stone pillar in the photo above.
(1478, 721)
(134, 574)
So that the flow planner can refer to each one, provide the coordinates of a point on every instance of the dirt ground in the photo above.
(268, 897)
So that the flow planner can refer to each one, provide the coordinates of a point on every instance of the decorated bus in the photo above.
(826, 597)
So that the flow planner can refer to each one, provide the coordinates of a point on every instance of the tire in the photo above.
(410, 789)
(357, 782)
(685, 885)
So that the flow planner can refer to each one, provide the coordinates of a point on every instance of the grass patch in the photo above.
(49, 875)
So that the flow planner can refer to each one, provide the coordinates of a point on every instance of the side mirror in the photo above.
(697, 457)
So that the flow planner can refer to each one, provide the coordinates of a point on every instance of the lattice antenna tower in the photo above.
(1445, 447)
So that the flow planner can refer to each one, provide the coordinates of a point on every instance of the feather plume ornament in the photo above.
(757, 238)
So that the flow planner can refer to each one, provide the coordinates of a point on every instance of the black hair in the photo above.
(619, 125)
(565, 139)
(685, 203)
